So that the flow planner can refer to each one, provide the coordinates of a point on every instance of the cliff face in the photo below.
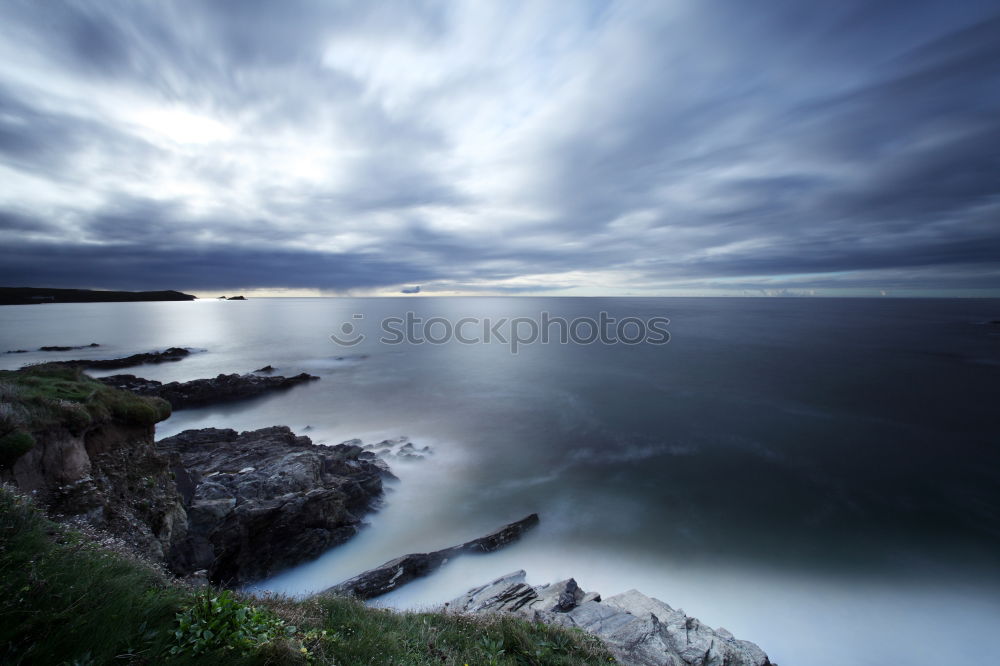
(92, 455)
(111, 477)
(239, 506)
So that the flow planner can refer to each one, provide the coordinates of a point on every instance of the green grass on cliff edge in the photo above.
(64, 599)
(41, 397)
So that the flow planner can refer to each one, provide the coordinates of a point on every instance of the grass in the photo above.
(364, 635)
(66, 600)
(46, 396)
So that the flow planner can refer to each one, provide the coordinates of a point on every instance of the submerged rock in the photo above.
(59, 348)
(396, 573)
(401, 448)
(202, 392)
(258, 502)
(639, 630)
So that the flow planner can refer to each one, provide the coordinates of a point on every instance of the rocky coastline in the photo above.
(261, 501)
(230, 507)
(203, 392)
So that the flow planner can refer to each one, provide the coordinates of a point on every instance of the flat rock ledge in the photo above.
(638, 630)
(166, 356)
(260, 501)
(203, 392)
(397, 572)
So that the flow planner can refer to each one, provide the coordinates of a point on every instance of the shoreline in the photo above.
(203, 489)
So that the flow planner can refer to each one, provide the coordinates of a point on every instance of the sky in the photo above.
(673, 147)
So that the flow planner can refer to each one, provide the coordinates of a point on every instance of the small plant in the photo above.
(494, 650)
(218, 621)
(13, 445)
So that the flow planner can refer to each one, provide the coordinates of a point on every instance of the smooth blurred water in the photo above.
(819, 476)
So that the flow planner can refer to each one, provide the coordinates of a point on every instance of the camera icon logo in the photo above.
(349, 334)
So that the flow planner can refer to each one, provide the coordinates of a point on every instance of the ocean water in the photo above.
(819, 476)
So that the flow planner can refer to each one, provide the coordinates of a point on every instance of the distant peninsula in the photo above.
(29, 295)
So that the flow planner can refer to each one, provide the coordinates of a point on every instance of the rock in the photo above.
(266, 500)
(237, 298)
(266, 368)
(201, 392)
(197, 579)
(639, 630)
(396, 573)
(16, 351)
(169, 355)
(56, 348)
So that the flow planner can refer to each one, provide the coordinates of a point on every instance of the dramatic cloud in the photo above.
(594, 147)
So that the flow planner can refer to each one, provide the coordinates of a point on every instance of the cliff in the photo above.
(86, 451)
(233, 506)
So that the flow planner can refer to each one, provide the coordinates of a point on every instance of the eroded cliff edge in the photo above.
(237, 506)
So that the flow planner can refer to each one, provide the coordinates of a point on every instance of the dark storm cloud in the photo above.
(500, 147)
(11, 221)
(192, 268)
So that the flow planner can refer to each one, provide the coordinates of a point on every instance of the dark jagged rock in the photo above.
(149, 358)
(59, 348)
(237, 298)
(16, 351)
(266, 368)
(202, 392)
(258, 502)
(639, 630)
(396, 573)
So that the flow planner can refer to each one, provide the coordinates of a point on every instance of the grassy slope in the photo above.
(42, 397)
(65, 600)
(48, 395)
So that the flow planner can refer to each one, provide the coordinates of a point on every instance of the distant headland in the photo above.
(29, 295)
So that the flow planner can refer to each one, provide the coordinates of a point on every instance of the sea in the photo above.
(820, 476)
